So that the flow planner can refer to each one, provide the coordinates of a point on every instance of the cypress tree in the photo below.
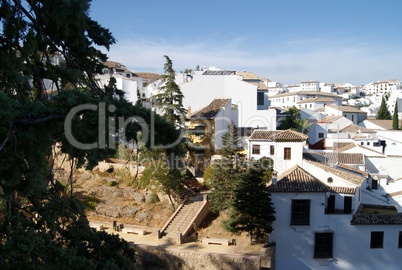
(395, 120)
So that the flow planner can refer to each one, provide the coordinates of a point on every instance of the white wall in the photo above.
(204, 88)
(127, 85)
(393, 139)
(351, 243)
(280, 164)
(222, 120)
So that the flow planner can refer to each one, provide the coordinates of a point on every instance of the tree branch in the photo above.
(6, 139)
(39, 120)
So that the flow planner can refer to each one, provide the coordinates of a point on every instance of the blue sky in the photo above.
(285, 41)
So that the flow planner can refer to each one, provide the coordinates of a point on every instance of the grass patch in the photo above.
(90, 202)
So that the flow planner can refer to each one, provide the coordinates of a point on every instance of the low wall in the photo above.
(158, 258)
(132, 167)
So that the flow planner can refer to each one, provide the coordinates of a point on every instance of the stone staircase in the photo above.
(182, 218)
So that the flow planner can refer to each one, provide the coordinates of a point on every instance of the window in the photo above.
(347, 205)
(260, 98)
(353, 117)
(361, 143)
(400, 240)
(374, 184)
(323, 245)
(377, 239)
(368, 143)
(330, 205)
(321, 135)
(300, 212)
(144, 84)
(256, 149)
(272, 150)
(287, 153)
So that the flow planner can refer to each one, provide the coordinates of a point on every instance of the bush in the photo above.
(90, 202)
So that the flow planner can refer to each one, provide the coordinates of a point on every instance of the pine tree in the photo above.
(231, 144)
(383, 112)
(252, 210)
(170, 98)
(395, 119)
(44, 226)
(224, 174)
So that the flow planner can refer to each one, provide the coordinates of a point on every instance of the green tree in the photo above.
(395, 119)
(383, 112)
(44, 226)
(170, 98)
(252, 209)
(223, 176)
(231, 145)
(160, 176)
(294, 121)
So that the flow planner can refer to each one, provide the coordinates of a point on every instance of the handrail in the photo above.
(172, 217)
(188, 214)
(204, 203)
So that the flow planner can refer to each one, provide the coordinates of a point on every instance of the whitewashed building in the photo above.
(330, 218)
(285, 147)
(297, 99)
(349, 112)
(247, 96)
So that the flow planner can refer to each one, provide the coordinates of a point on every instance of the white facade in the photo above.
(204, 88)
(348, 234)
(287, 100)
(351, 113)
(285, 153)
(323, 127)
(310, 86)
(381, 87)
(127, 85)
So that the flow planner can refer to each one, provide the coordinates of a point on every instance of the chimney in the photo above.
(274, 177)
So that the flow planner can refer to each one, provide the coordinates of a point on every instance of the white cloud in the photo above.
(288, 61)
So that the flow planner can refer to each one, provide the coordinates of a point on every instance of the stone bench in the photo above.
(97, 226)
(138, 231)
(216, 241)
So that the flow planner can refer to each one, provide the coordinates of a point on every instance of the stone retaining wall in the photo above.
(158, 258)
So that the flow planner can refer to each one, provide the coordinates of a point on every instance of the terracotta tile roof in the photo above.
(356, 129)
(344, 190)
(339, 145)
(396, 193)
(211, 110)
(385, 124)
(329, 119)
(278, 135)
(334, 157)
(219, 72)
(349, 109)
(377, 219)
(372, 150)
(351, 169)
(350, 177)
(248, 75)
(147, 75)
(113, 64)
(346, 147)
(316, 99)
(297, 180)
(306, 93)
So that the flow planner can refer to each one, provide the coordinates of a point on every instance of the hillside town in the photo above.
(267, 160)
(336, 186)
